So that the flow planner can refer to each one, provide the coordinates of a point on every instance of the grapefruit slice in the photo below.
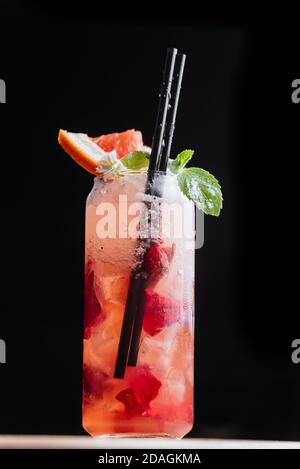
(88, 151)
(82, 149)
(123, 142)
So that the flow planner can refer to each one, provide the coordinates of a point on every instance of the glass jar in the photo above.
(139, 309)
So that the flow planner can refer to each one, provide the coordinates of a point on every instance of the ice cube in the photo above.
(106, 240)
(113, 288)
(104, 343)
(176, 385)
(183, 354)
(157, 351)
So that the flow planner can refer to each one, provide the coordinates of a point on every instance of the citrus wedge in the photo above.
(82, 149)
(123, 142)
(88, 151)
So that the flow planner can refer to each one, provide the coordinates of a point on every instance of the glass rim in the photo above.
(132, 172)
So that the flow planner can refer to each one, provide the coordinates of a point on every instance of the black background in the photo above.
(84, 70)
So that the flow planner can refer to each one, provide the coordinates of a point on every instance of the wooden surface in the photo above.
(85, 442)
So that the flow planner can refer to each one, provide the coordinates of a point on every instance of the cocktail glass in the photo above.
(155, 397)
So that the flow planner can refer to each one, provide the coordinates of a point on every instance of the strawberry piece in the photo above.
(159, 312)
(156, 261)
(129, 399)
(144, 387)
(93, 382)
(92, 308)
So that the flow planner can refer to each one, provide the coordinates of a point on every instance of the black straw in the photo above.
(134, 310)
(163, 107)
(170, 126)
(164, 156)
(129, 315)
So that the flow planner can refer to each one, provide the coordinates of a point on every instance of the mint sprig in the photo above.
(202, 188)
(196, 184)
(175, 166)
(136, 160)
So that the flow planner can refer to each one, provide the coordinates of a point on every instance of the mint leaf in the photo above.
(181, 160)
(202, 188)
(136, 160)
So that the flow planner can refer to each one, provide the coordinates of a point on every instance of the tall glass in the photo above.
(155, 397)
